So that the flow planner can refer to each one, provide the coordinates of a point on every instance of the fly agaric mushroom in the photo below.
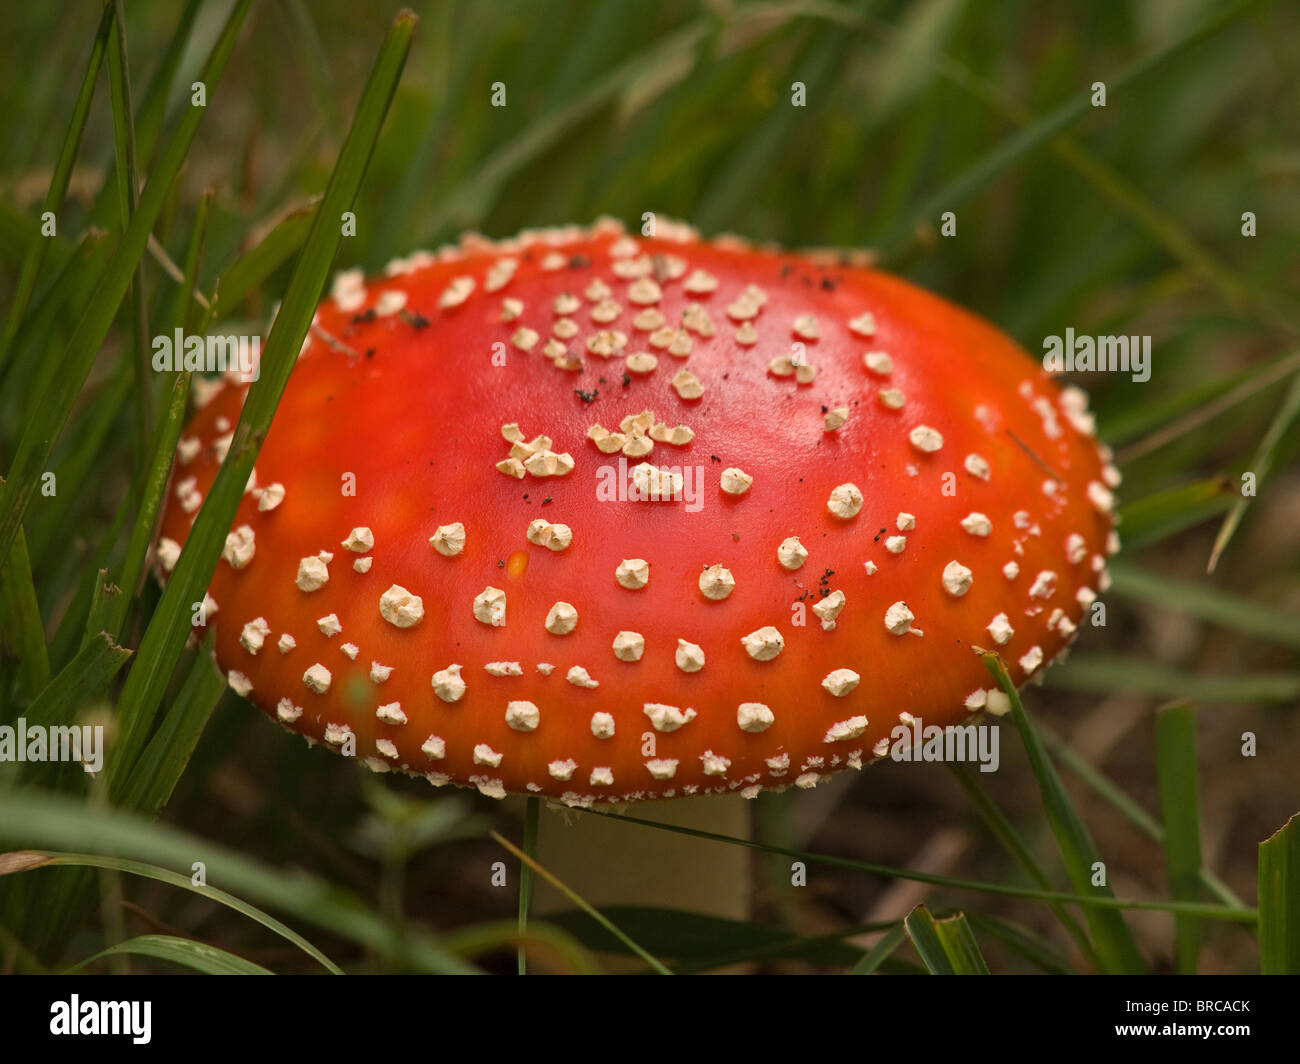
(605, 518)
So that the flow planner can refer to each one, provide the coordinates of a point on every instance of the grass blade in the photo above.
(166, 634)
(97, 430)
(130, 843)
(183, 951)
(93, 667)
(102, 602)
(766, 143)
(27, 860)
(169, 750)
(947, 946)
(1110, 935)
(75, 628)
(1180, 806)
(1279, 901)
(881, 951)
(62, 698)
(59, 705)
(1161, 226)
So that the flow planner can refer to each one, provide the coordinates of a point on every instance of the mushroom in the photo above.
(492, 542)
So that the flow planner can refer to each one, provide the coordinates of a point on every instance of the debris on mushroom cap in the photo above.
(711, 435)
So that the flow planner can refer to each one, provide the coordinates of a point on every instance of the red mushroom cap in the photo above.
(599, 517)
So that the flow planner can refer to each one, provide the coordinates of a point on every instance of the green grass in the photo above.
(1180, 790)
(1122, 219)
(946, 946)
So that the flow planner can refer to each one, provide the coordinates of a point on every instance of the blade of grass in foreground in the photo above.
(1110, 934)
(1180, 806)
(28, 860)
(167, 631)
(110, 838)
(183, 951)
(171, 746)
(50, 413)
(58, 185)
(1279, 915)
(58, 704)
(102, 600)
(947, 946)
(93, 667)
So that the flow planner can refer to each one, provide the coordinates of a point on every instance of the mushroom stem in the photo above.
(612, 862)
